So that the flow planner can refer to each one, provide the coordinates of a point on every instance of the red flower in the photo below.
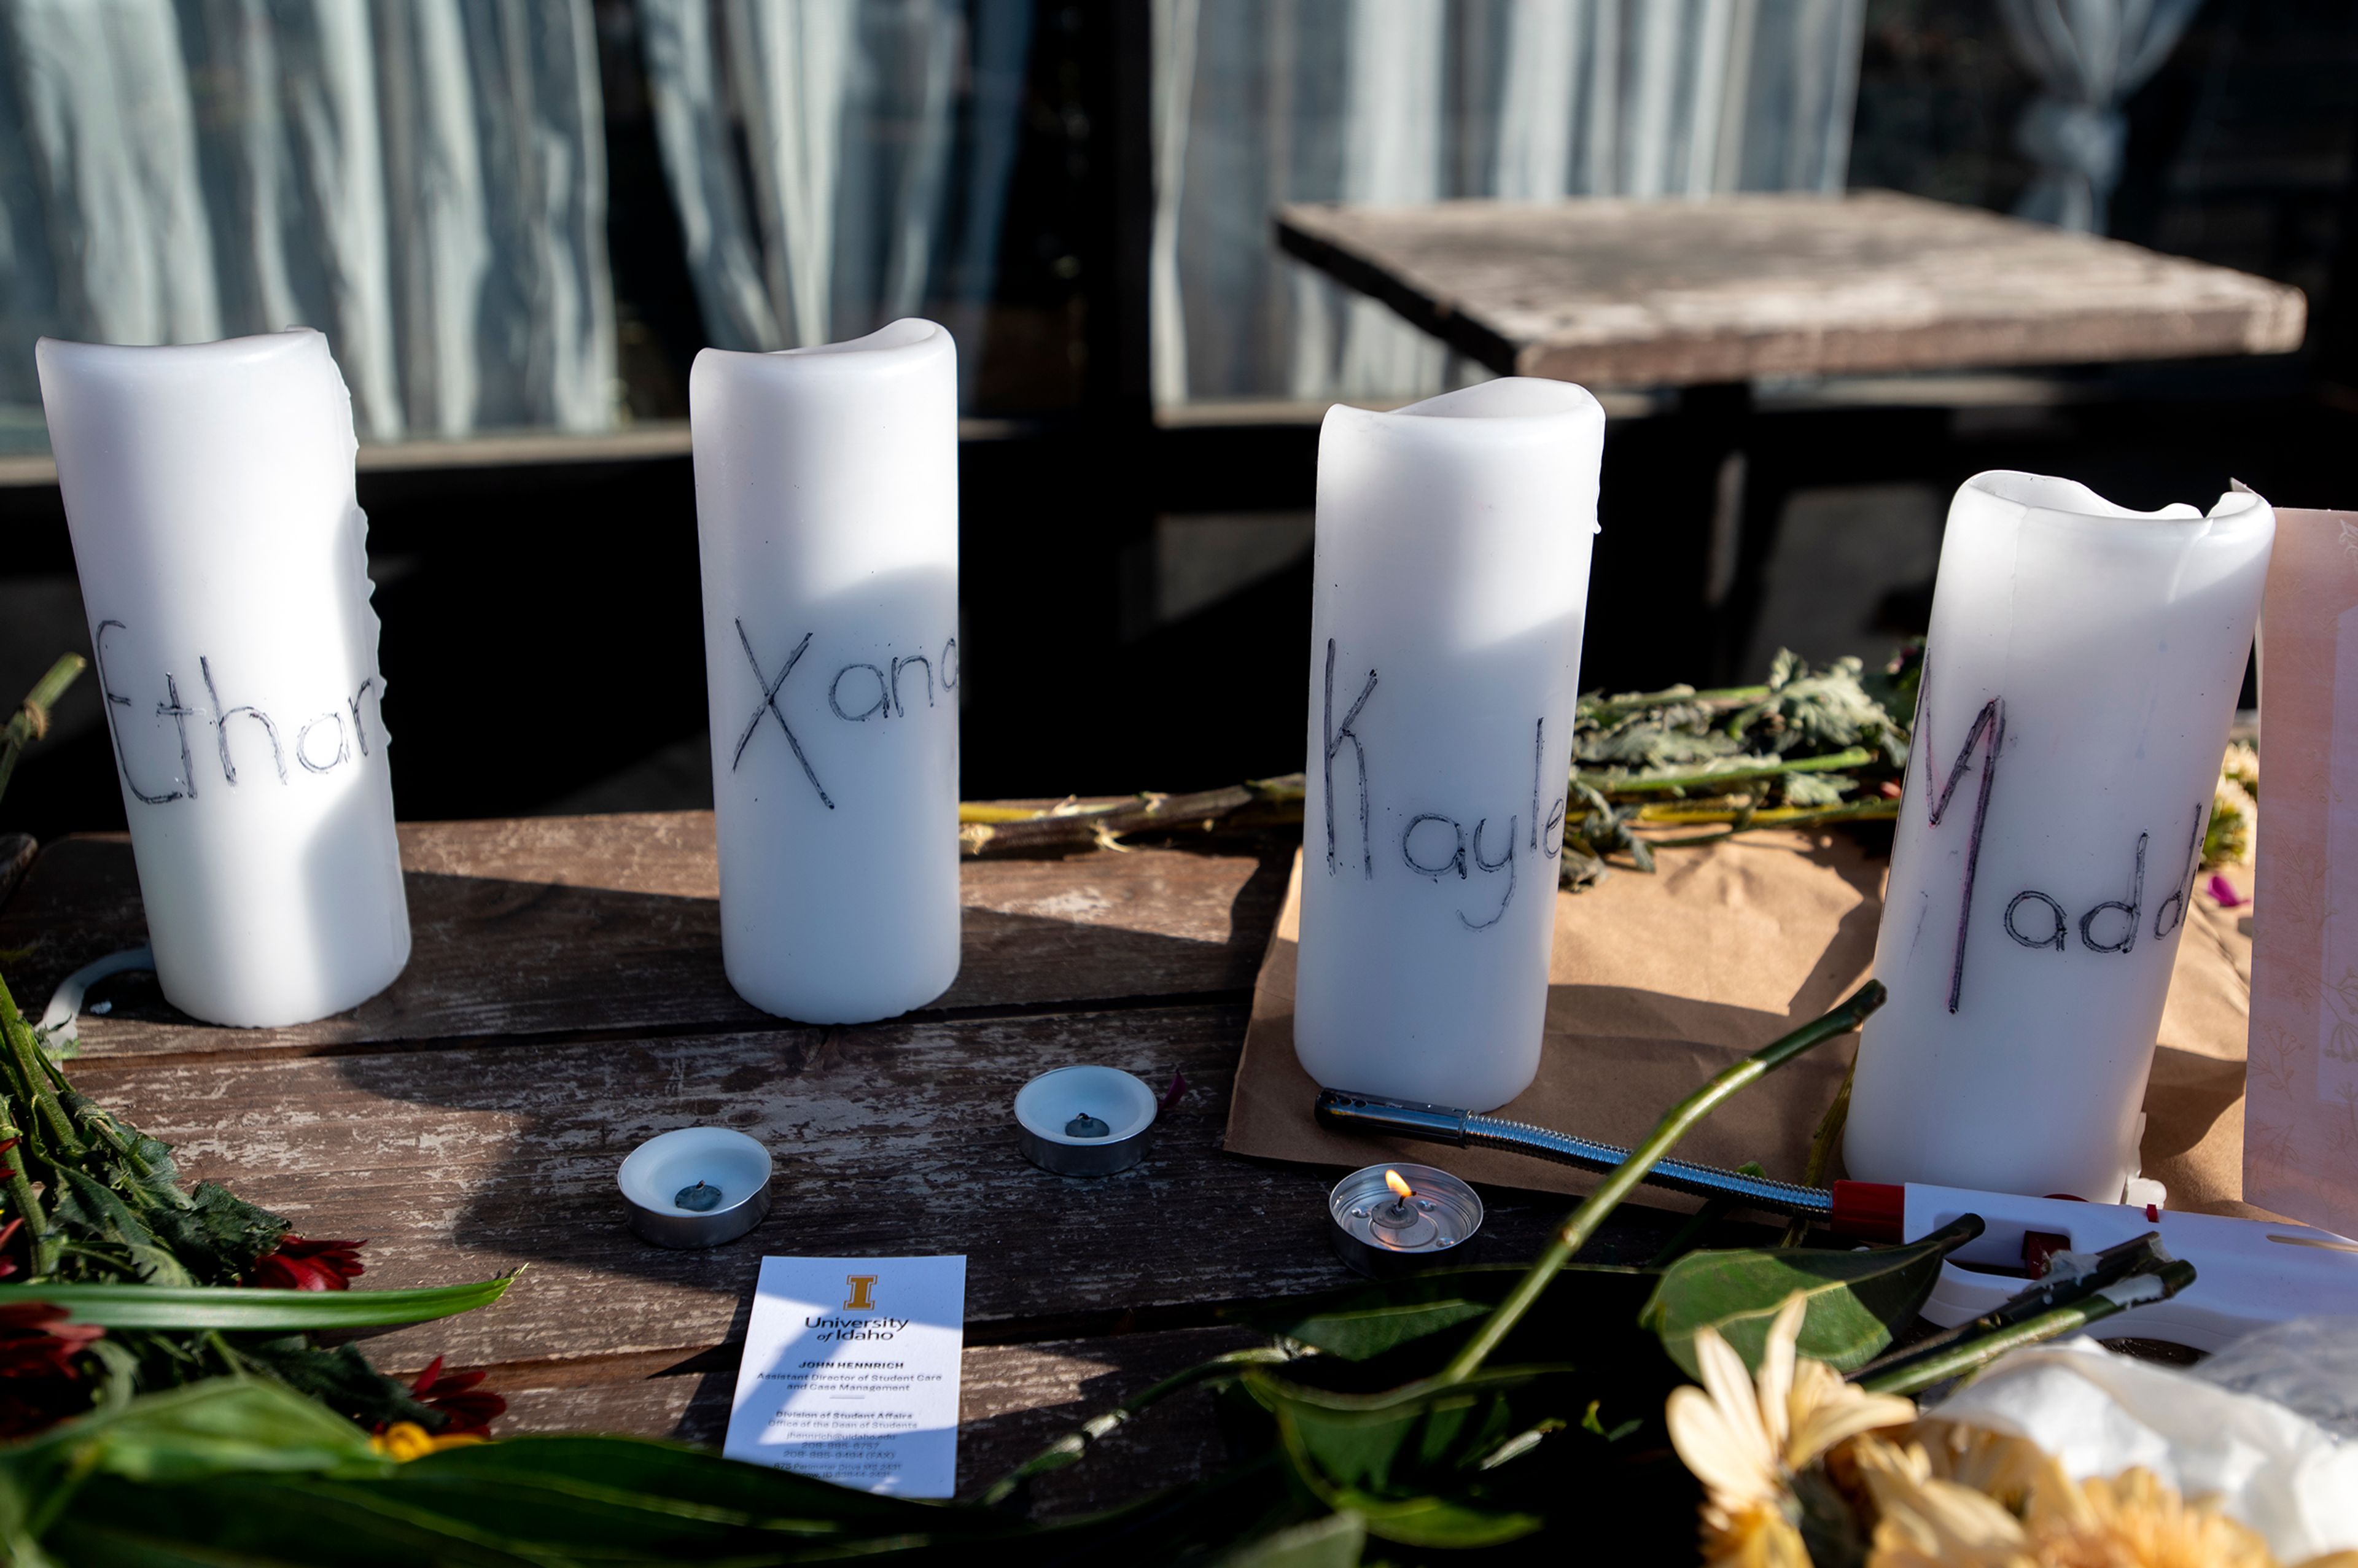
(39, 1384)
(7, 1232)
(296, 1264)
(471, 1409)
(36, 1342)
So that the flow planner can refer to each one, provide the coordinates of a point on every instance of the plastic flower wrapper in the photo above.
(2059, 1456)
(2101, 1415)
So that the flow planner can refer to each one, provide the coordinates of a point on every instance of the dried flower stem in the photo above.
(1616, 782)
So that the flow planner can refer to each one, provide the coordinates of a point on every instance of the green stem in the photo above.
(1584, 1221)
(1821, 1151)
(39, 1245)
(1832, 762)
(31, 719)
(1968, 1353)
(35, 1069)
(1074, 1445)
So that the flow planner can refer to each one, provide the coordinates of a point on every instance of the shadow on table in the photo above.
(493, 956)
(422, 1120)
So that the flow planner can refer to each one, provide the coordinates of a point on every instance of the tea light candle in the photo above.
(223, 564)
(2080, 673)
(1386, 1220)
(1451, 586)
(696, 1186)
(826, 512)
(1084, 1120)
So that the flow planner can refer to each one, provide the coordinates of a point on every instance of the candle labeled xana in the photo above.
(1451, 588)
(225, 569)
(2080, 677)
(826, 518)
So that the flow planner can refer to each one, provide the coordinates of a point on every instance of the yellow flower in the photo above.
(2013, 1471)
(1983, 1500)
(1746, 1438)
(1924, 1522)
(406, 1440)
(2135, 1522)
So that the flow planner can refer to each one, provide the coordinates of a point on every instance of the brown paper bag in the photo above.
(1657, 982)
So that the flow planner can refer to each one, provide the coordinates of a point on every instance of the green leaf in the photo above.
(1359, 1323)
(1334, 1541)
(687, 1481)
(340, 1379)
(1856, 1299)
(1408, 1459)
(216, 1427)
(231, 1307)
(276, 1521)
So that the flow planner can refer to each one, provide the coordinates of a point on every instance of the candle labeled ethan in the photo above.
(827, 519)
(1451, 585)
(2080, 677)
(225, 569)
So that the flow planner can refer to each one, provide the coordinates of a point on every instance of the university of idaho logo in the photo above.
(863, 1292)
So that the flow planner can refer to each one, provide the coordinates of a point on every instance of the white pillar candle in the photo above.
(1451, 586)
(225, 568)
(826, 509)
(2079, 675)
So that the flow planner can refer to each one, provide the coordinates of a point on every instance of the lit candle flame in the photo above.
(1398, 1184)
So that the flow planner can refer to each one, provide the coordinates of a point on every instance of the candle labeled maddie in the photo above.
(2080, 677)
(827, 514)
(224, 569)
(1451, 586)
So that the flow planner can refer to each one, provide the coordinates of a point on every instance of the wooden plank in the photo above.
(463, 1162)
(550, 925)
(1631, 293)
(1014, 1399)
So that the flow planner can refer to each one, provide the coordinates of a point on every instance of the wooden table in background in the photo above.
(565, 1000)
(1686, 293)
(1707, 295)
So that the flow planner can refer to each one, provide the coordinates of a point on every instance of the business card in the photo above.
(851, 1372)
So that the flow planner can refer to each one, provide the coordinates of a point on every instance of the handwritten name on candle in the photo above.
(1435, 845)
(2032, 918)
(322, 744)
(859, 691)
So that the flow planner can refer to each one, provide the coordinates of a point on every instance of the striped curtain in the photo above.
(424, 181)
(836, 164)
(1259, 103)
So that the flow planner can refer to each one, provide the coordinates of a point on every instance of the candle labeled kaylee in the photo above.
(2079, 675)
(826, 514)
(1451, 586)
(224, 569)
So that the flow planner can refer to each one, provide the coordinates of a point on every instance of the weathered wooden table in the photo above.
(1682, 293)
(566, 1000)
(1704, 297)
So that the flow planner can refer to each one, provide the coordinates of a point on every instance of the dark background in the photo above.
(542, 646)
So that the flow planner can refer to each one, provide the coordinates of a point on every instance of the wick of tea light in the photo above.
(1388, 1219)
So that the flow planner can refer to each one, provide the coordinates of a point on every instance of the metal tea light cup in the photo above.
(696, 1186)
(1382, 1233)
(1084, 1122)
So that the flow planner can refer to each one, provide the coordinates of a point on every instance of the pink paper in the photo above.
(2300, 1151)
